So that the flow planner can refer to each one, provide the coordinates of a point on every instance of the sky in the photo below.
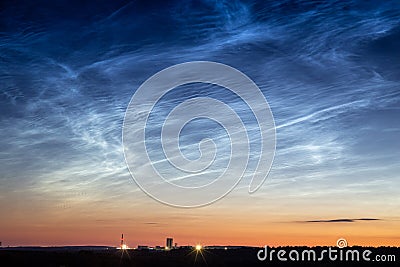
(329, 70)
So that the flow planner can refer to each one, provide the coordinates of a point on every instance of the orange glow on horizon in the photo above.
(221, 224)
(213, 234)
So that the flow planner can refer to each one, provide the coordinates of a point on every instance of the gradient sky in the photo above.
(330, 72)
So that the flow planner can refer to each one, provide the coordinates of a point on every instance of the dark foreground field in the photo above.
(179, 257)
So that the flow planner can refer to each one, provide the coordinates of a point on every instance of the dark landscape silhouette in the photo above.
(186, 256)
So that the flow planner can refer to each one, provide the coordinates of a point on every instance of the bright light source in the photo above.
(198, 247)
(124, 246)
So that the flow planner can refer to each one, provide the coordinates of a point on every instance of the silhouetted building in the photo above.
(169, 243)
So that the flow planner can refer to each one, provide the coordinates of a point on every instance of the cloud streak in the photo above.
(346, 220)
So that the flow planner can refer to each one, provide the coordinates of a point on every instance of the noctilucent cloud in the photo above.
(330, 71)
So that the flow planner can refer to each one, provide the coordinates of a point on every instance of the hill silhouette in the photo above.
(232, 256)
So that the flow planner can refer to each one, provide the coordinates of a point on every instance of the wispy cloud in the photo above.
(342, 220)
(331, 80)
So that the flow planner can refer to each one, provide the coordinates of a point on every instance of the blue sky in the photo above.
(330, 73)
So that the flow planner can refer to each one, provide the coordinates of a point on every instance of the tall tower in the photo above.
(169, 243)
(122, 240)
